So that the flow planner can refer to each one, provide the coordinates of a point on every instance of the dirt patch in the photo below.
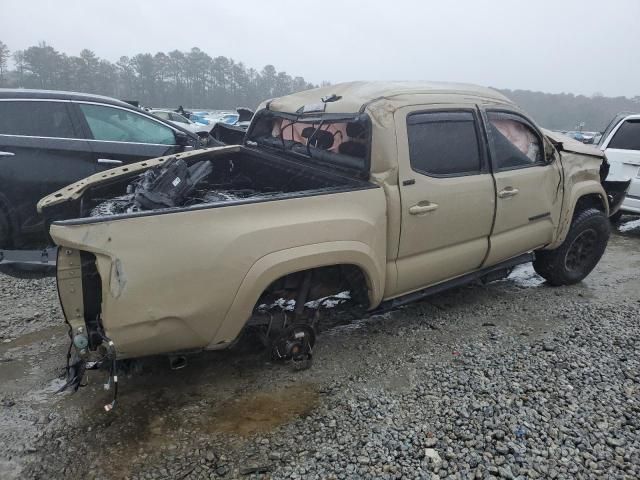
(263, 411)
(48, 334)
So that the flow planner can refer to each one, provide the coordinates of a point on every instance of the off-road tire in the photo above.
(580, 252)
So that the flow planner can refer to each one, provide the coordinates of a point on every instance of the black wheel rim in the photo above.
(581, 251)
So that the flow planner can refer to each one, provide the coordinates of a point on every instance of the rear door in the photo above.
(118, 136)
(623, 153)
(528, 188)
(41, 151)
(447, 195)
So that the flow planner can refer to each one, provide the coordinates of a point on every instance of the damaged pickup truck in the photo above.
(374, 194)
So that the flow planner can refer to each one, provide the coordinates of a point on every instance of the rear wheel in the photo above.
(580, 252)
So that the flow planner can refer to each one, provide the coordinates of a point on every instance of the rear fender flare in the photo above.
(578, 191)
(278, 264)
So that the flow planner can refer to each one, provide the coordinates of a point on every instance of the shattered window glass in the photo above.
(117, 125)
(515, 144)
(348, 138)
(443, 143)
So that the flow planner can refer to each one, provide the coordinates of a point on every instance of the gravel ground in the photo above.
(510, 380)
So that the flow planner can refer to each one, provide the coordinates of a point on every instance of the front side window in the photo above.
(118, 125)
(627, 137)
(515, 143)
(444, 143)
(36, 119)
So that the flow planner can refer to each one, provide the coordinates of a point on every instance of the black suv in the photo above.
(50, 139)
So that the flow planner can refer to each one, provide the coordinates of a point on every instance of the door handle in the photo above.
(508, 192)
(7, 154)
(422, 207)
(109, 161)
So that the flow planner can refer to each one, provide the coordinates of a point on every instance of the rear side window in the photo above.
(627, 137)
(515, 143)
(36, 119)
(118, 125)
(444, 143)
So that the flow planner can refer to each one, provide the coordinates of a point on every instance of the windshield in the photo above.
(176, 117)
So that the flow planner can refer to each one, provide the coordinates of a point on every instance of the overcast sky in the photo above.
(555, 46)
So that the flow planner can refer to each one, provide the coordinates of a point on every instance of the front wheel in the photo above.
(580, 252)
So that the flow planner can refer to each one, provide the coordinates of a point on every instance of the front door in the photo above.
(528, 186)
(447, 195)
(118, 136)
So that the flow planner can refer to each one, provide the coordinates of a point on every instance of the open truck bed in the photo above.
(236, 175)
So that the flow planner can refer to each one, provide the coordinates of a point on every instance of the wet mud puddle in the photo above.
(263, 411)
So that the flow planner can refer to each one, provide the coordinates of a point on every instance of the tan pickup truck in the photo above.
(366, 193)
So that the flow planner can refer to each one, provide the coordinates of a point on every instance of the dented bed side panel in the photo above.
(168, 281)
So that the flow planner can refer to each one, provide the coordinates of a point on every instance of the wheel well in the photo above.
(592, 200)
(320, 282)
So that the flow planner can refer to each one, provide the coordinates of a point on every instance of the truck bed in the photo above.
(237, 177)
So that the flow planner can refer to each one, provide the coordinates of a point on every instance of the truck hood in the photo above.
(568, 144)
(75, 190)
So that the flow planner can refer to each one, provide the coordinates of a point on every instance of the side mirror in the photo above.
(182, 138)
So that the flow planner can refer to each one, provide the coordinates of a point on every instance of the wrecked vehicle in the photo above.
(375, 194)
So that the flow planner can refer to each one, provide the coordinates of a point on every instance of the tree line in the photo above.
(195, 79)
(192, 79)
(565, 111)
